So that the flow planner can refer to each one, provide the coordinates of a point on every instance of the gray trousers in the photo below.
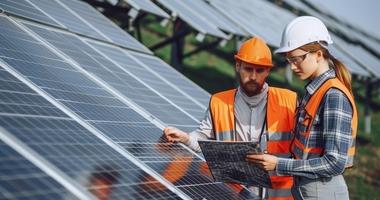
(321, 188)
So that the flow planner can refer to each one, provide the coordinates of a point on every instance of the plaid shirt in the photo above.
(331, 130)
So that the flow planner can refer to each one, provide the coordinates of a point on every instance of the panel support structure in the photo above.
(178, 45)
(367, 108)
(206, 46)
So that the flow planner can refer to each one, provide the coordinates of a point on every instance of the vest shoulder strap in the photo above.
(282, 96)
(315, 101)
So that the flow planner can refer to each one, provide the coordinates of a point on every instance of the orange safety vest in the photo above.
(281, 108)
(311, 108)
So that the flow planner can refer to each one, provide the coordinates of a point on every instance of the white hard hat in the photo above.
(301, 31)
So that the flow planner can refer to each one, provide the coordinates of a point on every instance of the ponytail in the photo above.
(341, 72)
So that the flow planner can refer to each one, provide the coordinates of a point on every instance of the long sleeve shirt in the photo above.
(250, 118)
(331, 130)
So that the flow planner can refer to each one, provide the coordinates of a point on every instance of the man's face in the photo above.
(101, 188)
(252, 77)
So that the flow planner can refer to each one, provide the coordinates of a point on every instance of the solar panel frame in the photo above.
(99, 22)
(193, 19)
(148, 6)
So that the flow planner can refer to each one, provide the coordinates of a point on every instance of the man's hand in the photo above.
(175, 135)
(264, 161)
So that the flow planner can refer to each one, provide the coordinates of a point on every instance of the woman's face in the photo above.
(303, 63)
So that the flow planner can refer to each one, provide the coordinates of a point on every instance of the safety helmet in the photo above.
(255, 51)
(303, 30)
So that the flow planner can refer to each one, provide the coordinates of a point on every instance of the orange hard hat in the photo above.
(255, 51)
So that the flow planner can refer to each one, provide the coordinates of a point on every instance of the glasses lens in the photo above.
(296, 59)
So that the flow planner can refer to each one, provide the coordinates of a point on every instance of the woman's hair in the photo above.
(340, 69)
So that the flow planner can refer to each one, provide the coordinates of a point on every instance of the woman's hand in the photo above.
(264, 161)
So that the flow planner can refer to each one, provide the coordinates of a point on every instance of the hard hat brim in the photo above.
(237, 57)
(283, 50)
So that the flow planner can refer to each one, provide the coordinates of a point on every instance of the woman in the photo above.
(326, 119)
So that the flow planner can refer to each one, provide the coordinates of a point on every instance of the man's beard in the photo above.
(251, 88)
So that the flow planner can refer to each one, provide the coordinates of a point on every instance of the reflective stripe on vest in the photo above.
(281, 107)
(299, 148)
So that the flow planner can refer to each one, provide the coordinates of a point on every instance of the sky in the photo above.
(359, 13)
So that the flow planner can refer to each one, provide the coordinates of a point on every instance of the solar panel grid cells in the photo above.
(173, 76)
(80, 155)
(211, 14)
(199, 178)
(153, 81)
(24, 9)
(65, 17)
(59, 139)
(104, 25)
(195, 175)
(230, 8)
(192, 18)
(30, 103)
(119, 79)
(20, 179)
(61, 74)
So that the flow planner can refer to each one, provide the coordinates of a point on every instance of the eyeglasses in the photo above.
(296, 60)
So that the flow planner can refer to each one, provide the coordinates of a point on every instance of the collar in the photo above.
(253, 101)
(316, 83)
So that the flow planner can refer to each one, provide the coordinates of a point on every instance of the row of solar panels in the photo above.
(264, 19)
(77, 106)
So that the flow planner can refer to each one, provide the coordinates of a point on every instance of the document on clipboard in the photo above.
(227, 162)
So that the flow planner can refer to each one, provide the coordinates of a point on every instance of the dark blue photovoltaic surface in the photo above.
(24, 9)
(55, 136)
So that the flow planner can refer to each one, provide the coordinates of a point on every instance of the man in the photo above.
(102, 181)
(252, 112)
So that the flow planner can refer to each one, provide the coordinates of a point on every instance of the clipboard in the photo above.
(227, 163)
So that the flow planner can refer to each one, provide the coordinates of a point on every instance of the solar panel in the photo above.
(57, 137)
(66, 144)
(175, 77)
(360, 55)
(23, 8)
(148, 6)
(211, 14)
(21, 179)
(105, 26)
(260, 18)
(108, 115)
(98, 65)
(352, 66)
(349, 62)
(68, 19)
(139, 70)
(193, 18)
